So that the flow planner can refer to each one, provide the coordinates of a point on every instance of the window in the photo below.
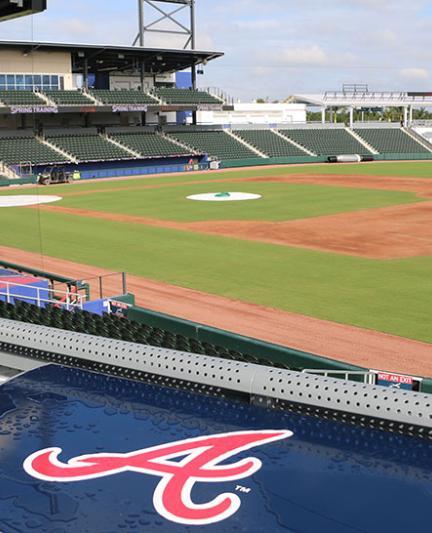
(30, 82)
(19, 82)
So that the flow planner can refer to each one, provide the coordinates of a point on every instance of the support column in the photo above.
(323, 115)
(405, 119)
(141, 22)
(86, 84)
(410, 115)
(142, 75)
(351, 117)
(194, 113)
(192, 24)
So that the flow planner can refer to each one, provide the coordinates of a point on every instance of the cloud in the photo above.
(257, 25)
(415, 73)
(308, 55)
(274, 48)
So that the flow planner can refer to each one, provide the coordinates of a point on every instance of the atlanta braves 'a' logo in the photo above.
(172, 498)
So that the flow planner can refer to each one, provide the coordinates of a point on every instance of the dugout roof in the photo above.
(109, 58)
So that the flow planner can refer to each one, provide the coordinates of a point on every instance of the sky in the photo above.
(273, 48)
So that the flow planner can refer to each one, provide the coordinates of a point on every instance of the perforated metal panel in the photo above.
(255, 380)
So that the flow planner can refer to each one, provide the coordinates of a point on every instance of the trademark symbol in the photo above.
(244, 490)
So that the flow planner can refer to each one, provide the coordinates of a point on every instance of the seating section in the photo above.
(150, 144)
(16, 150)
(20, 98)
(113, 327)
(126, 97)
(327, 141)
(392, 141)
(185, 96)
(86, 146)
(215, 143)
(67, 98)
(270, 143)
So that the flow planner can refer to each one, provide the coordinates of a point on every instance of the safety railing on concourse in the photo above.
(357, 375)
(41, 296)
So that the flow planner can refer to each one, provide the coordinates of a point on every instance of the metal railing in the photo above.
(43, 295)
(401, 97)
(368, 377)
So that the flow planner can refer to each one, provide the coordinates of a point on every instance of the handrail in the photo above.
(66, 300)
(369, 377)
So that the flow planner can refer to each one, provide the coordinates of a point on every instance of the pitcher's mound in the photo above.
(26, 200)
(224, 197)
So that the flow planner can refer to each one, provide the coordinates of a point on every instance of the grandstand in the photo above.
(122, 97)
(393, 141)
(148, 144)
(217, 144)
(143, 119)
(20, 148)
(20, 98)
(270, 143)
(68, 98)
(185, 96)
(326, 141)
(87, 146)
(112, 327)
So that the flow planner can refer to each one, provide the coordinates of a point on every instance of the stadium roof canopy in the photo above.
(365, 99)
(108, 58)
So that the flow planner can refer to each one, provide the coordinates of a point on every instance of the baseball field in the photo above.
(350, 244)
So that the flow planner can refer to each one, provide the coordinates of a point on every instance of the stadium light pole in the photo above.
(141, 22)
(164, 13)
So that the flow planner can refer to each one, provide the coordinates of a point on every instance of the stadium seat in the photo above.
(25, 149)
(20, 98)
(125, 97)
(185, 96)
(149, 144)
(214, 143)
(326, 141)
(391, 140)
(88, 146)
(270, 143)
(68, 98)
(110, 326)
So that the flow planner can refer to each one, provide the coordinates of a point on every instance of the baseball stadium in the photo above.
(181, 273)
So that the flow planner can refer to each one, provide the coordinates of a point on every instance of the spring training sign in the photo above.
(21, 109)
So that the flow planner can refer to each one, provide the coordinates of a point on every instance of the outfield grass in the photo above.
(391, 296)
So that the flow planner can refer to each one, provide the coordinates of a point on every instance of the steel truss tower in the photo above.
(169, 13)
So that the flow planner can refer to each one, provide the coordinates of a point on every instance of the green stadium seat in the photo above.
(391, 140)
(125, 97)
(185, 96)
(110, 326)
(149, 144)
(68, 98)
(270, 143)
(216, 144)
(20, 98)
(25, 149)
(88, 146)
(326, 141)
